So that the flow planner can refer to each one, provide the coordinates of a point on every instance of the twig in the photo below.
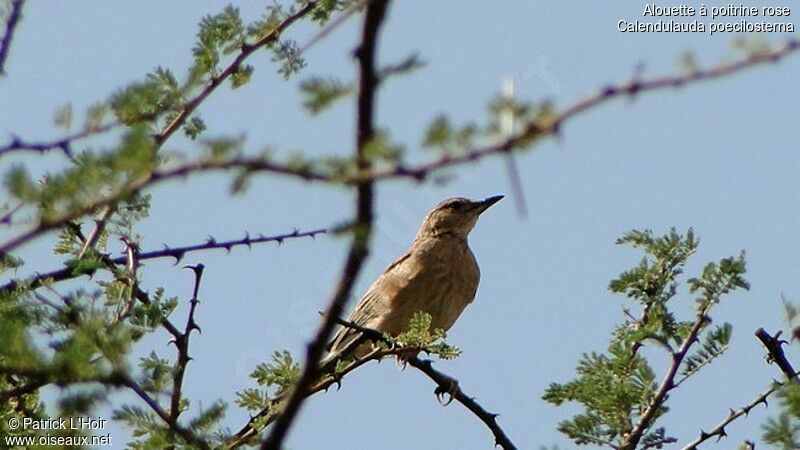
(132, 252)
(5, 219)
(419, 172)
(217, 80)
(553, 125)
(631, 440)
(446, 384)
(182, 344)
(173, 424)
(64, 144)
(97, 232)
(167, 252)
(263, 418)
(266, 416)
(719, 430)
(11, 25)
(374, 15)
(42, 377)
(159, 139)
(775, 353)
(335, 23)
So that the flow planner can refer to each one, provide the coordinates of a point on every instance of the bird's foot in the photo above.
(403, 355)
(446, 393)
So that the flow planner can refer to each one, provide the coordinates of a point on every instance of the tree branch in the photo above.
(631, 440)
(11, 25)
(167, 252)
(173, 424)
(719, 430)
(446, 384)
(374, 14)
(64, 144)
(114, 378)
(420, 172)
(182, 344)
(247, 50)
(266, 416)
(775, 353)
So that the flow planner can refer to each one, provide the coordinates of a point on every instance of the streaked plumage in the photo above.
(438, 275)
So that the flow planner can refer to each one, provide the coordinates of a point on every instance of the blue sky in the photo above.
(721, 156)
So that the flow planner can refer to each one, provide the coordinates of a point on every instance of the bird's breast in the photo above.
(450, 277)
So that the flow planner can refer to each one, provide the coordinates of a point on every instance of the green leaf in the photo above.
(715, 343)
(321, 93)
(194, 127)
(84, 266)
(282, 372)
(253, 399)
(287, 53)
(241, 76)
(220, 34)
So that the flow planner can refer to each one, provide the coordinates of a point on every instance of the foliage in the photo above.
(621, 395)
(783, 431)
(420, 335)
(77, 326)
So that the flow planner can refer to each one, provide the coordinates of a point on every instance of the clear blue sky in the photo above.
(722, 157)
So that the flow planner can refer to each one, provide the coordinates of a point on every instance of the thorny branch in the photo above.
(173, 424)
(631, 440)
(719, 430)
(775, 353)
(532, 130)
(182, 344)
(167, 252)
(181, 340)
(446, 385)
(374, 14)
(364, 180)
(449, 385)
(246, 50)
(114, 378)
(136, 185)
(420, 172)
(266, 416)
(64, 144)
(11, 25)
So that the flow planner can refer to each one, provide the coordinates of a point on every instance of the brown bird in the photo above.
(438, 275)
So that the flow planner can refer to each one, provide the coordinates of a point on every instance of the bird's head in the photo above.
(456, 216)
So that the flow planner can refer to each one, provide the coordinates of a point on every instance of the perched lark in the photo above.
(438, 275)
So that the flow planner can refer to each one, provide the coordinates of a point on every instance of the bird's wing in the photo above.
(373, 304)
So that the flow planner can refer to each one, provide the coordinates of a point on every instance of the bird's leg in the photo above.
(404, 354)
(447, 391)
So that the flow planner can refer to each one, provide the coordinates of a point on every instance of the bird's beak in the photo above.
(483, 205)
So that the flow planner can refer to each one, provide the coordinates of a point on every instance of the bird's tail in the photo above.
(343, 346)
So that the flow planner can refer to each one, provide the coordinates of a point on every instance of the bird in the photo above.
(438, 275)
